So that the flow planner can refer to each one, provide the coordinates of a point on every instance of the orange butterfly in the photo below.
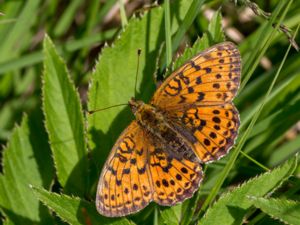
(190, 120)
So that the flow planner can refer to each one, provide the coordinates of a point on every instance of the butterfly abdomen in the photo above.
(156, 124)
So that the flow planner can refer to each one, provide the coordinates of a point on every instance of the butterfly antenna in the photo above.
(137, 71)
(98, 110)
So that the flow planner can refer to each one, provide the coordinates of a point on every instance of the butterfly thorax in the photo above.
(155, 122)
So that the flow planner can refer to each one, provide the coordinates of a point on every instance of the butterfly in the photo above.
(189, 121)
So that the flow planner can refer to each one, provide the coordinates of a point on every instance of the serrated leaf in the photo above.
(232, 207)
(284, 210)
(74, 210)
(26, 160)
(64, 122)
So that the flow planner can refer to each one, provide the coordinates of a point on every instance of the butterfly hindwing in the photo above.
(174, 178)
(125, 183)
(214, 127)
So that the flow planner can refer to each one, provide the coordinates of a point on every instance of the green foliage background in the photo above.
(55, 64)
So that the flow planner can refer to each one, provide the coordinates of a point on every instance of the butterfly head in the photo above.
(135, 105)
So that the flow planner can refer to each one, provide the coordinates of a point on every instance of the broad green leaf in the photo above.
(26, 160)
(232, 207)
(73, 210)
(287, 211)
(64, 123)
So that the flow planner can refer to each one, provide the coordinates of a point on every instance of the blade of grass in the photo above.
(19, 30)
(254, 161)
(168, 32)
(104, 9)
(184, 26)
(263, 42)
(242, 141)
(187, 21)
(37, 57)
(67, 18)
(282, 152)
(123, 13)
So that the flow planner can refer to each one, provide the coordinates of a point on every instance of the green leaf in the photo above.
(284, 210)
(26, 160)
(233, 206)
(74, 210)
(171, 215)
(215, 30)
(64, 122)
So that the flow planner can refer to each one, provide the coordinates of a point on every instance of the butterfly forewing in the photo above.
(210, 78)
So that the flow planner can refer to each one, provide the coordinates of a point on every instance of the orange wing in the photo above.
(198, 98)
(215, 128)
(210, 78)
(140, 170)
(174, 179)
(125, 184)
